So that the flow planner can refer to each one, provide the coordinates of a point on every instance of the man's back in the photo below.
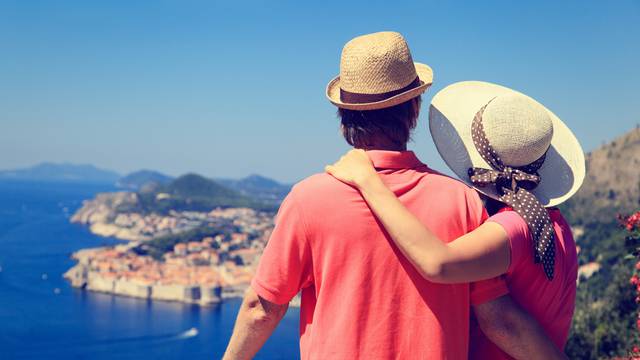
(360, 296)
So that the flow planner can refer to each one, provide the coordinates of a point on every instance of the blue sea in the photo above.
(42, 317)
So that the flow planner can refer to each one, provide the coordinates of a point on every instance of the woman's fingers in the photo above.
(358, 152)
(353, 165)
(358, 156)
(336, 173)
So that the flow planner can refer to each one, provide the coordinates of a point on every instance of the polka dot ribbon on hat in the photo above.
(513, 185)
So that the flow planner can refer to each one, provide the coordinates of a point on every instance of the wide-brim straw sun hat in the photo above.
(518, 128)
(376, 72)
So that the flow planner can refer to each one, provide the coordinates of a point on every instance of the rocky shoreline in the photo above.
(82, 277)
(85, 276)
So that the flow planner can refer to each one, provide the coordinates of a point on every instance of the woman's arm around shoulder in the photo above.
(481, 254)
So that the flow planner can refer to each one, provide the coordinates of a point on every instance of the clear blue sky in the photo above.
(237, 87)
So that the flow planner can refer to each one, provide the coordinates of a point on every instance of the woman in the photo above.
(522, 158)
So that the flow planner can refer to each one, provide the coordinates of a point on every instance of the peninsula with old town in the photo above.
(190, 239)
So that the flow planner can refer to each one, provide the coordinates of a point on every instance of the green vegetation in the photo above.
(605, 315)
(604, 323)
(192, 192)
(157, 247)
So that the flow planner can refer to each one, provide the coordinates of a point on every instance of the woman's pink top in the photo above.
(551, 303)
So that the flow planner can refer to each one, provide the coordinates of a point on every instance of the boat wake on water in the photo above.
(112, 344)
(193, 332)
(187, 334)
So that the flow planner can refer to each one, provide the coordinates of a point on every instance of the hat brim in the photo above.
(450, 118)
(425, 74)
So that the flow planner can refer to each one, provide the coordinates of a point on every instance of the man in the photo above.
(360, 297)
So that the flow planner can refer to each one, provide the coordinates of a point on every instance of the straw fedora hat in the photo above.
(518, 128)
(376, 72)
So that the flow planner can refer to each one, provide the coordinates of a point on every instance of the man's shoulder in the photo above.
(319, 185)
(320, 194)
(447, 183)
(443, 189)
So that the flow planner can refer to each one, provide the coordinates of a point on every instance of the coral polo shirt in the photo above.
(551, 303)
(361, 298)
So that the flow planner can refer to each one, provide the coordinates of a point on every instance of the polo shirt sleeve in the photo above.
(483, 291)
(285, 265)
(488, 290)
(518, 233)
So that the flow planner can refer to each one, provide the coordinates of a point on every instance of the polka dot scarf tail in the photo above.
(513, 185)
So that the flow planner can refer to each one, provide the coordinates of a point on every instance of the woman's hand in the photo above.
(354, 168)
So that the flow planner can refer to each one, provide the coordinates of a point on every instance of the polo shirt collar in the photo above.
(383, 159)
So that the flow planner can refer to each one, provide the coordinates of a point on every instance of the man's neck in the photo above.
(386, 148)
(384, 144)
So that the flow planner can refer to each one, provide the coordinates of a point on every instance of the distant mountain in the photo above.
(258, 187)
(194, 186)
(612, 184)
(139, 179)
(61, 172)
(195, 192)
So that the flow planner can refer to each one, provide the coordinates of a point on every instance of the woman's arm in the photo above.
(482, 254)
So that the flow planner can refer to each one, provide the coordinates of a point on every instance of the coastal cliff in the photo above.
(81, 276)
(101, 215)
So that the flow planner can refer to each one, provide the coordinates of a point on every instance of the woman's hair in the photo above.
(492, 205)
(362, 128)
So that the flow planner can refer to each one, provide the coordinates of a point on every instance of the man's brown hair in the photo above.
(362, 129)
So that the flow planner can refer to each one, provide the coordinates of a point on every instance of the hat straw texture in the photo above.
(377, 64)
